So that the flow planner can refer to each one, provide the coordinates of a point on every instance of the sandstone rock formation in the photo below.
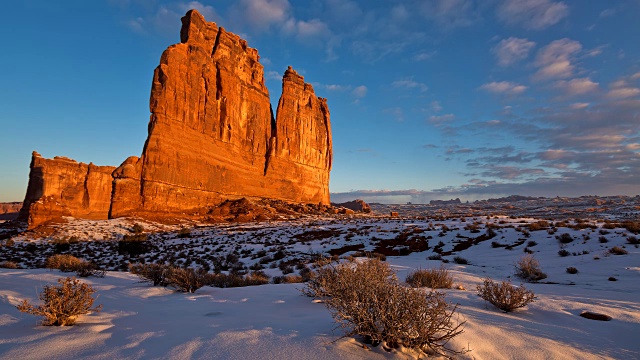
(9, 210)
(212, 137)
(356, 205)
(69, 188)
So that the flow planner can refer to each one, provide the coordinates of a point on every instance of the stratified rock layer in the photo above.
(69, 187)
(212, 137)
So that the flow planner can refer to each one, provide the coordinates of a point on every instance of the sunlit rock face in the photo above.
(63, 187)
(212, 133)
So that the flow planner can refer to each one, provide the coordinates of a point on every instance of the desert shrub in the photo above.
(528, 269)
(235, 280)
(632, 226)
(62, 262)
(287, 279)
(460, 260)
(87, 268)
(188, 280)
(539, 225)
(490, 233)
(133, 245)
(603, 239)
(365, 298)
(137, 229)
(432, 278)
(633, 240)
(531, 243)
(435, 257)
(62, 304)
(563, 252)
(9, 265)
(157, 274)
(564, 238)
(505, 296)
(572, 270)
(184, 233)
(616, 250)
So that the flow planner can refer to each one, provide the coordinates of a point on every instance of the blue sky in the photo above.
(429, 99)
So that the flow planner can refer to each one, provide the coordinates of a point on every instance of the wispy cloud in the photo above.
(410, 84)
(359, 91)
(504, 87)
(532, 14)
(555, 61)
(577, 86)
(511, 50)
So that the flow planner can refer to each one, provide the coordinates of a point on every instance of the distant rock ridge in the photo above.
(212, 137)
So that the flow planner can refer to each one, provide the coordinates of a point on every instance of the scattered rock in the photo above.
(595, 316)
(355, 205)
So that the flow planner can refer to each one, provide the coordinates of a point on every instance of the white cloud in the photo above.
(504, 87)
(360, 91)
(435, 106)
(449, 13)
(511, 50)
(410, 84)
(439, 119)
(556, 59)
(532, 14)
(423, 56)
(635, 76)
(397, 113)
(579, 106)
(607, 12)
(623, 92)
(263, 13)
(576, 86)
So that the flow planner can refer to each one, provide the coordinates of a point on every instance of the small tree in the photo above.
(64, 263)
(505, 296)
(62, 304)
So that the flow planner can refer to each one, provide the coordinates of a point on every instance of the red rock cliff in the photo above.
(69, 188)
(212, 137)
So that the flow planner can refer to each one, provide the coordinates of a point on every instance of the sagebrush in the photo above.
(504, 295)
(365, 298)
(433, 278)
(62, 304)
(528, 269)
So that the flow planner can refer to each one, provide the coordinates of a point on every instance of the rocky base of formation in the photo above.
(212, 137)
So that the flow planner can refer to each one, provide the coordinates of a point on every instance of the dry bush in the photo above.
(616, 250)
(365, 298)
(63, 303)
(87, 268)
(64, 262)
(188, 280)
(153, 273)
(9, 265)
(287, 279)
(234, 280)
(432, 278)
(528, 269)
(505, 296)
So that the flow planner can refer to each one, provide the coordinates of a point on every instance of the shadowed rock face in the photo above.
(213, 137)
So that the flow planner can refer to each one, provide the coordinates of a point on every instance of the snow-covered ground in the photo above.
(277, 322)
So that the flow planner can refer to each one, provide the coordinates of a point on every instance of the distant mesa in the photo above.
(445, 202)
(212, 137)
(355, 205)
